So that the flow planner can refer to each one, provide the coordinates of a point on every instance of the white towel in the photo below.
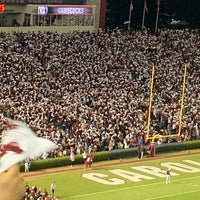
(19, 143)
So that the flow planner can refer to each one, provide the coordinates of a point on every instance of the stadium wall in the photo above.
(19, 13)
(47, 28)
(112, 155)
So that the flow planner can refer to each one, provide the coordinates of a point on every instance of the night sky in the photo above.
(184, 10)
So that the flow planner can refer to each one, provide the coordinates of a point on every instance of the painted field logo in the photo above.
(151, 171)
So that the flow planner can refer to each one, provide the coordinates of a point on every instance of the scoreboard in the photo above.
(86, 14)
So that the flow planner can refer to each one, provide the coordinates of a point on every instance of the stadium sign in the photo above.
(151, 171)
(64, 10)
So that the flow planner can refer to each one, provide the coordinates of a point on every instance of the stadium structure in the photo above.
(52, 15)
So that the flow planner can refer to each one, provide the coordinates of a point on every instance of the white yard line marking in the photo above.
(173, 195)
(139, 186)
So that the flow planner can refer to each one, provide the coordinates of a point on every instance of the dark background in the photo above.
(186, 11)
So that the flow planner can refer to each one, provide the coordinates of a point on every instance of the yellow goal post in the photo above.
(158, 136)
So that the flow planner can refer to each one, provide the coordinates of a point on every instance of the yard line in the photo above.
(173, 195)
(138, 186)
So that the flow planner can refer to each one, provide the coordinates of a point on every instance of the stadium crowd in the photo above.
(34, 193)
(91, 90)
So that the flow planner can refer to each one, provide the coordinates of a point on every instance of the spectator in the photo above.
(92, 89)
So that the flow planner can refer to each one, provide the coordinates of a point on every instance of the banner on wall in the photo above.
(64, 10)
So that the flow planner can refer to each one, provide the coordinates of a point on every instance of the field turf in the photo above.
(71, 183)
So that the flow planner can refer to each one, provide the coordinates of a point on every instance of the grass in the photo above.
(70, 185)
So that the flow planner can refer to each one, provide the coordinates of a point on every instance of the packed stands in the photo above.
(91, 90)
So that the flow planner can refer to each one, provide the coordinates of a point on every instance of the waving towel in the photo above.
(19, 142)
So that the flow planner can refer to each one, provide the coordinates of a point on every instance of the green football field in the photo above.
(126, 179)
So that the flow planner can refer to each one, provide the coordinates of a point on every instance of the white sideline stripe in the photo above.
(173, 195)
(139, 186)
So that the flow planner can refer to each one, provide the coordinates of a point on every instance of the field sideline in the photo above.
(110, 163)
(76, 183)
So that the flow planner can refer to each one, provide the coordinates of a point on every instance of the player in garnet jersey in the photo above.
(168, 175)
(89, 160)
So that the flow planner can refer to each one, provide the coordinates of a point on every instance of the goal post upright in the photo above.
(157, 136)
(182, 99)
(150, 102)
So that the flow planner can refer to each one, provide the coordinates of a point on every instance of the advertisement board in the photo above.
(64, 10)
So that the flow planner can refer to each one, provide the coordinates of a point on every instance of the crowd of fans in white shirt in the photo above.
(91, 90)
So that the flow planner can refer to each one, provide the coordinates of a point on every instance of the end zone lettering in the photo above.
(149, 170)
